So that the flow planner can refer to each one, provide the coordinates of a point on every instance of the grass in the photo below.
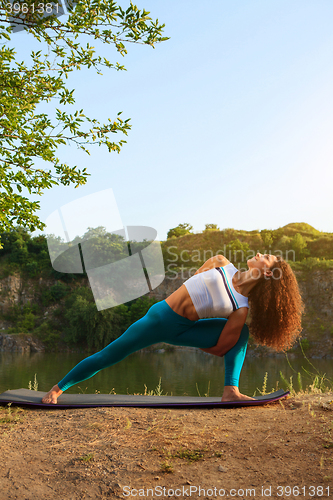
(158, 391)
(155, 392)
(206, 393)
(319, 382)
(263, 391)
(33, 385)
(10, 416)
(191, 456)
(328, 445)
(166, 467)
(87, 458)
(128, 424)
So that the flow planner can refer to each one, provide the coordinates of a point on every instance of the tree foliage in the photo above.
(27, 254)
(84, 325)
(180, 230)
(300, 242)
(237, 251)
(299, 245)
(211, 227)
(30, 138)
(266, 237)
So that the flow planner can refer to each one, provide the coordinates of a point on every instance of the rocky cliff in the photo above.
(316, 288)
(20, 343)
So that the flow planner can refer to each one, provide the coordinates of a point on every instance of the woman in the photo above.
(209, 311)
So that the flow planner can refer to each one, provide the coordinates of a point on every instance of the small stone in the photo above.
(157, 478)
(222, 469)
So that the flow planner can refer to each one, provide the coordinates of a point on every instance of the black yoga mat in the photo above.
(25, 397)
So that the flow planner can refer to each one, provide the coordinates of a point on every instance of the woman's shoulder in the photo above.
(229, 266)
(222, 260)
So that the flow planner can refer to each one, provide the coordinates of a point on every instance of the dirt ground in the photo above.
(251, 452)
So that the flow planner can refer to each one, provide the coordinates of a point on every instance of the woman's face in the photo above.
(262, 262)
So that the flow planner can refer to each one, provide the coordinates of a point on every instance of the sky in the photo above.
(232, 118)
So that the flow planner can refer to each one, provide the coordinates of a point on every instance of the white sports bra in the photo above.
(213, 294)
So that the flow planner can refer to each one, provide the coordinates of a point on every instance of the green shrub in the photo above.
(47, 334)
(54, 293)
(138, 308)
(84, 324)
(27, 322)
(32, 269)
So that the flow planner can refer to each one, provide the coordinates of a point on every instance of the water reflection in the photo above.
(182, 372)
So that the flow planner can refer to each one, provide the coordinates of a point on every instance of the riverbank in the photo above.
(96, 453)
(27, 343)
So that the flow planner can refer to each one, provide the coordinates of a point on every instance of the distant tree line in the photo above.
(295, 242)
(65, 314)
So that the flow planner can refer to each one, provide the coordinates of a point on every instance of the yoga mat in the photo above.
(26, 397)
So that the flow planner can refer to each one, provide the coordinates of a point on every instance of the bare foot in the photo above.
(52, 395)
(231, 393)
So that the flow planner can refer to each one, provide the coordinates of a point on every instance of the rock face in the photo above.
(18, 343)
(10, 292)
(167, 287)
(16, 291)
(317, 292)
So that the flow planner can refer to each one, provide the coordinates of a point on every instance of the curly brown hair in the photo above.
(276, 308)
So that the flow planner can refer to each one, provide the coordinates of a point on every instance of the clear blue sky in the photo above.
(232, 118)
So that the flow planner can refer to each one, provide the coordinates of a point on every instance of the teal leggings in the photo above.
(162, 324)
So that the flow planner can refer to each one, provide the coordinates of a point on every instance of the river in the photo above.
(189, 372)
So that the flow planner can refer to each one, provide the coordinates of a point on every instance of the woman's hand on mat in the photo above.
(231, 393)
(52, 395)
